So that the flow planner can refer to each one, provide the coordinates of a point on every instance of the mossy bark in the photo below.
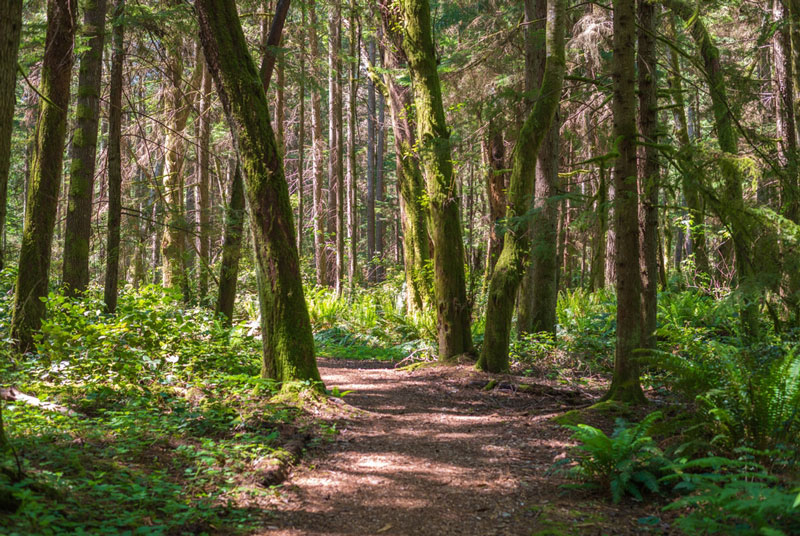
(45, 176)
(495, 157)
(625, 385)
(232, 246)
(10, 31)
(511, 265)
(84, 147)
(288, 343)
(649, 182)
(689, 179)
(203, 184)
(538, 295)
(416, 241)
(433, 145)
(115, 159)
(731, 207)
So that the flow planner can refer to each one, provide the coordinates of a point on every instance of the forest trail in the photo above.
(429, 452)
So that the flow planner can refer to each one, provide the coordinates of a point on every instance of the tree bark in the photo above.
(510, 267)
(203, 183)
(352, 105)
(317, 155)
(288, 343)
(433, 145)
(496, 191)
(625, 384)
(371, 166)
(114, 159)
(731, 209)
(84, 147)
(649, 169)
(416, 242)
(46, 169)
(335, 146)
(10, 30)
(232, 245)
(539, 291)
(301, 135)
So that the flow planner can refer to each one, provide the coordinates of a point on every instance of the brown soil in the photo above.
(430, 452)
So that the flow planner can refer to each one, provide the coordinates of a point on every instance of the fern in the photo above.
(628, 462)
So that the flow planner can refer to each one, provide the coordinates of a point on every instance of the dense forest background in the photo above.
(199, 200)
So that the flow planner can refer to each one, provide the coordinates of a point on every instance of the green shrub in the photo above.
(627, 463)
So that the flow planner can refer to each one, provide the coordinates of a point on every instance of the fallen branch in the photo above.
(12, 394)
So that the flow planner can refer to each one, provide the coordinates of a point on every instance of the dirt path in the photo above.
(431, 453)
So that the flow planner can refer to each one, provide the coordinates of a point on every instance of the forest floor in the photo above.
(431, 452)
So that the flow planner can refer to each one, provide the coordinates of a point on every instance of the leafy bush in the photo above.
(627, 463)
(587, 323)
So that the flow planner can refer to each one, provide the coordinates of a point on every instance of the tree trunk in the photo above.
(84, 145)
(689, 180)
(511, 265)
(380, 187)
(625, 384)
(539, 291)
(45, 180)
(352, 105)
(335, 146)
(649, 169)
(288, 342)
(371, 166)
(433, 145)
(10, 29)
(232, 245)
(495, 191)
(173, 246)
(203, 183)
(301, 135)
(114, 158)
(317, 155)
(731, 208)
(416, 242)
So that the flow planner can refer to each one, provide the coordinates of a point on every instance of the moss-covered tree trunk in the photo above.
(84, 144)
(317, 154)
(511, 265)
(433, 145)
(625, 385)
(45, 177)
(288, 343)
(539, 288)
(689, 180)
(232, 245)
(10, 31)
(371, 162)
(114, 159)
(416, 242)
(649, 168)
(731, 207)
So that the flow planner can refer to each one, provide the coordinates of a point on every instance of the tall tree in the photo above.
(416, 242)
(288, 343)
(203, 182)
(10, 30)
(115, 158)
(648, 168)
(511, 264)
(335, 146)
(730, 207)
(371, 164)
(495, 156)
(352, 105)
(625, 384)
(84, 145)
(317, 153)
(539, 289)
(231, 247)
(433, 143)
(45, 175)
